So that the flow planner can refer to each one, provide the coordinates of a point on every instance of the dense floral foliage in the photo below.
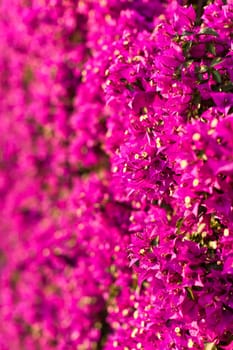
(116, 175)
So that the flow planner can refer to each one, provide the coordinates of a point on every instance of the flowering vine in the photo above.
(116, 175)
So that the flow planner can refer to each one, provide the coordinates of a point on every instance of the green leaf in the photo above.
(214, 266)
(179, 223)
(211, 48)
(217, 76)
(208, 31)
(204, 69)
(210, 346)
(187, 33)
(190, 293)
(201, 80)
(129, 87)
(187, 46)
(188, 63)
(228, 87)
(216, 61)
(155, 242)
(201, 155)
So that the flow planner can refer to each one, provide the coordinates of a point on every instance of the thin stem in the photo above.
(200, 6)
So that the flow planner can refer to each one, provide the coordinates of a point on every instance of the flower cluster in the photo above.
(116, 175)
